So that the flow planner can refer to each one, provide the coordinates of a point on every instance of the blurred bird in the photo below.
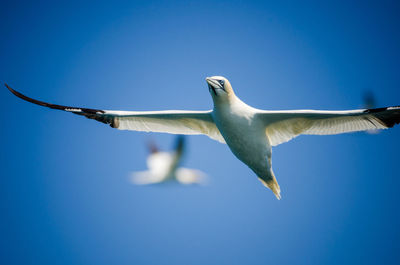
(249, 132)
(369, 103)
(369, 100)
(163, 167)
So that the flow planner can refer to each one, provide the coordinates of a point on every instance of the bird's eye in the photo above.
(221, 82)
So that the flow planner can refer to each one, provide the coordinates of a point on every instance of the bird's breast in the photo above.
(246, 139)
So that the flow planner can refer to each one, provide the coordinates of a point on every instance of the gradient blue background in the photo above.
(64, 193)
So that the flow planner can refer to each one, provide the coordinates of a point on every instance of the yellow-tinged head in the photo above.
(220, 88)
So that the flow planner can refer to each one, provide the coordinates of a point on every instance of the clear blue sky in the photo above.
(64, 194)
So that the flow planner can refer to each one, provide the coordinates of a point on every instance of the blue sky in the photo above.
(64, 192)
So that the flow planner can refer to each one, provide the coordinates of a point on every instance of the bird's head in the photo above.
(219, 87)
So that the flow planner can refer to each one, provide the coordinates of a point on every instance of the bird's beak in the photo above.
(213, 85)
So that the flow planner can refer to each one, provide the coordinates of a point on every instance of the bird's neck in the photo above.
(231, 102)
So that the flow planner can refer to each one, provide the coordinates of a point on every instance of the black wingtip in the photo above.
(15, 92)
(9, 88)
(94, 114)
(389, 116)
(22, 96)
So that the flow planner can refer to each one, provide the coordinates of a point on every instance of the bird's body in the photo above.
(250, 133)
(245, 135)
(164, 167)
(161, 168)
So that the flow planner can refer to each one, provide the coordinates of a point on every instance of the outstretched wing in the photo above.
(145, 178)
(281, 126)
(190, 176)
(171, 121)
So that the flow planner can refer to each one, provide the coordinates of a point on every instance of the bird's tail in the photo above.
(271, 183)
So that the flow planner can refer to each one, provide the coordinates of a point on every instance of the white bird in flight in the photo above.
(249, 132)
(163, 167)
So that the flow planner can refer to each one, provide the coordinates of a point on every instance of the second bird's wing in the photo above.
(170, 121)
(281, 126)
(190, 176)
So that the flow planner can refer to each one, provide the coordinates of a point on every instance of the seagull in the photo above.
(250, 133)
(163, 167)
